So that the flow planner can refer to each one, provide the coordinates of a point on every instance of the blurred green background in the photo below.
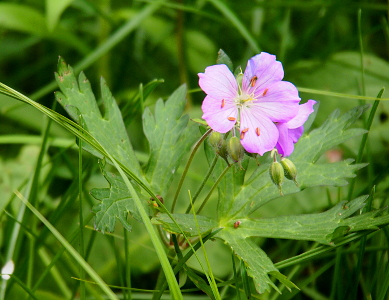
(131, 43)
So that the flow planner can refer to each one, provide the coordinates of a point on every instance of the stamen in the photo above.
(257, 131)
(243, 133)
(223, 103)
(265, 92)
(231, 118)
(253, 80)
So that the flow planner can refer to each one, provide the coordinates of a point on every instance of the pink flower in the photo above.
(253, 105)
(292, 130)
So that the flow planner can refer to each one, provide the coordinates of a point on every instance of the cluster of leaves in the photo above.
(167, 131)
(170, 138)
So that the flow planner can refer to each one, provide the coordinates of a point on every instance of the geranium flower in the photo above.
(292, 130)
(253, 105)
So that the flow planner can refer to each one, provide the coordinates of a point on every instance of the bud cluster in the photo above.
(279, 170)
(230, 148)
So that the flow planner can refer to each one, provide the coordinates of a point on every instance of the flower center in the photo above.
(244, 99)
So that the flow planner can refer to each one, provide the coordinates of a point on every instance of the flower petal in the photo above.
(279, 103)
(218, 82)
(279, 91)
(258, 133)
(304, 111)
(266, 69)
(296, 133)
(276, 112)
(285, 145)
(221, 115)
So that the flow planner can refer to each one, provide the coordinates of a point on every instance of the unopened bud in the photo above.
(235, 149)
(276, 172)
(222, 151)
(215, 139)
(218, 143)
(290, 170)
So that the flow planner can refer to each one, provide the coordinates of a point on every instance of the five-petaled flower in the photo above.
(254, 105)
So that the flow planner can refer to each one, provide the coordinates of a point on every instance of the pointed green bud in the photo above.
(235, 149)
(290, 170)
(222, 150)
(215, 139)
(276, 172)
(218, 143)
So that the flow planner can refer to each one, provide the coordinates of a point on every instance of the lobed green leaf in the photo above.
(190, 225)
(169, 137)
(257, 262)
(115, 204)
(108, 129)
(323, 227)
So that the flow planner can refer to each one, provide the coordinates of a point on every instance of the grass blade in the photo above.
(69, 248)
(230, 15)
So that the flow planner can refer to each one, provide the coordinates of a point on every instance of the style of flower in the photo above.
(291, 131)
(252, 105)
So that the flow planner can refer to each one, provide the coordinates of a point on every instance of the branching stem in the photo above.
(192, 154)
(210, 170)
(212, 189)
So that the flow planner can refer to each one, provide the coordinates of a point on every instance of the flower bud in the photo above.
(222, 151)
(215, 139)
(235, 149)
(276, 172)
(290, 170)
(218, 143)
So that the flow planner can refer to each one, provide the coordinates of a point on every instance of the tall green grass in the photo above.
(335, 52)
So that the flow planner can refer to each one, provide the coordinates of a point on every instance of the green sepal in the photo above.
(222, 58)
(200, 121)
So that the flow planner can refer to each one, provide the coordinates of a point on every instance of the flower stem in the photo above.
(364, 140)
(210, 170)
(214, 186)
(195, 148)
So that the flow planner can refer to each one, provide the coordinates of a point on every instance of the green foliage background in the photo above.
(135, 45)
